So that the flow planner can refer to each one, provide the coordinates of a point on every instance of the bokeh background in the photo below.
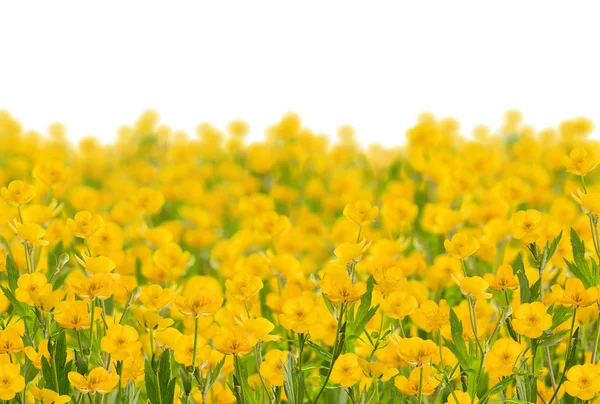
(374, 65)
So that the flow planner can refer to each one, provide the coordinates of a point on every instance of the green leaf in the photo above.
(12, 272)
(150, 382)
(579, 267)
(358, 322)
(524, 289)
(560, 314)
(551, 249)
(164, 369)
(457, 345)
(48, 375)
(185, 381)
(319, 351)
(552, 338)
(169, 394)
(501, 385)
(293, 381)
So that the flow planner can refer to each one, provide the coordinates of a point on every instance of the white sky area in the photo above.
(372, 64)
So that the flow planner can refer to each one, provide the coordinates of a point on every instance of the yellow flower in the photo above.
(96, 265)
(11, 381)
(121, 341)
(590, 202)
(236, 340)
(47, 396)
(351, 252)
(399, 305)
(410, 386)
(399, 212)
(85, 225)
(527, 225)
(504, 279)
(10, 340)
(346, 370)
(75, 315)
(171, 258)
(150, 319)
(260, 329)
(184, 351)
(271, 224)
(200, 303)
(30, 233)
(18, 193)
(461, 245)
(52, 174)
(36, 357)
(338, 286)
(361, 212)
(583, 381)
(374, 371)
(32, 288)
(576, 294)
(167, 338)
(243, 286)
(460, 397)
(99, 286)
(581, 161)
(531, 319)
(503, 356)
(154, 297)
(416, 351)
(98, 381)
(431, 316)
(298, 314)
(271, 368)
(148, 200)
(472, 286)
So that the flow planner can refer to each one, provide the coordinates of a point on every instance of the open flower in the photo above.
(416, 351)
(298, 314)
(472, 286)
(528, 225)
(98, 381)
(361, 212)
(84, 224)
(581, 161)
(583, 381)
(47, 396)
(461, 245)
(399, 305)
(374, 372)
(96, 265)
(351, 252)
(346, 371)
(236, 340)
(30, 233)
(576, 294)
(200, 303)
(531, 319)
(504, 279)
(11, 381)
(121, 341)
(503, 356)
(243, 286)
(271, 368)
(338, 286)
(411, 386)
(18, 193)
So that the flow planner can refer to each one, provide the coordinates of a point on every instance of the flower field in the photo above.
(168, 267)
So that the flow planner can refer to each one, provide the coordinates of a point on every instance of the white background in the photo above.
(372, 64)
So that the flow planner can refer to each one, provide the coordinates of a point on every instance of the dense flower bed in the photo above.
(168, 268)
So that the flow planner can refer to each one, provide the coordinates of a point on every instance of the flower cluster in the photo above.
(168, 268)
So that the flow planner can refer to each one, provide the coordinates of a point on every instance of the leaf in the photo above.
(293, 381)
(457, 345)
(19, 307)
(12, 272)
(185, 381)
(579, 267)
(501, 385)
(552, 339)
(150, 382)
(549, 250)
(560, 314)
(364, 313)
(164, 369)
(524, 289)
(169, 394)
(48, 375)
(320, 352)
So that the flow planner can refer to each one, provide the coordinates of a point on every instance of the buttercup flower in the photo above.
(361, 212)
(18, 193)
(410, 386)
(97, 381)
(527, 225)
(85, 225)
(581, 161)
(531, 319)
(346, 371)
(583, 381)
(461, 245)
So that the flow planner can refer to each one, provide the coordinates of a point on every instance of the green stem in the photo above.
(195, 343)
(421, 371)
(568, 356)
(92, 325)
(336, 351)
